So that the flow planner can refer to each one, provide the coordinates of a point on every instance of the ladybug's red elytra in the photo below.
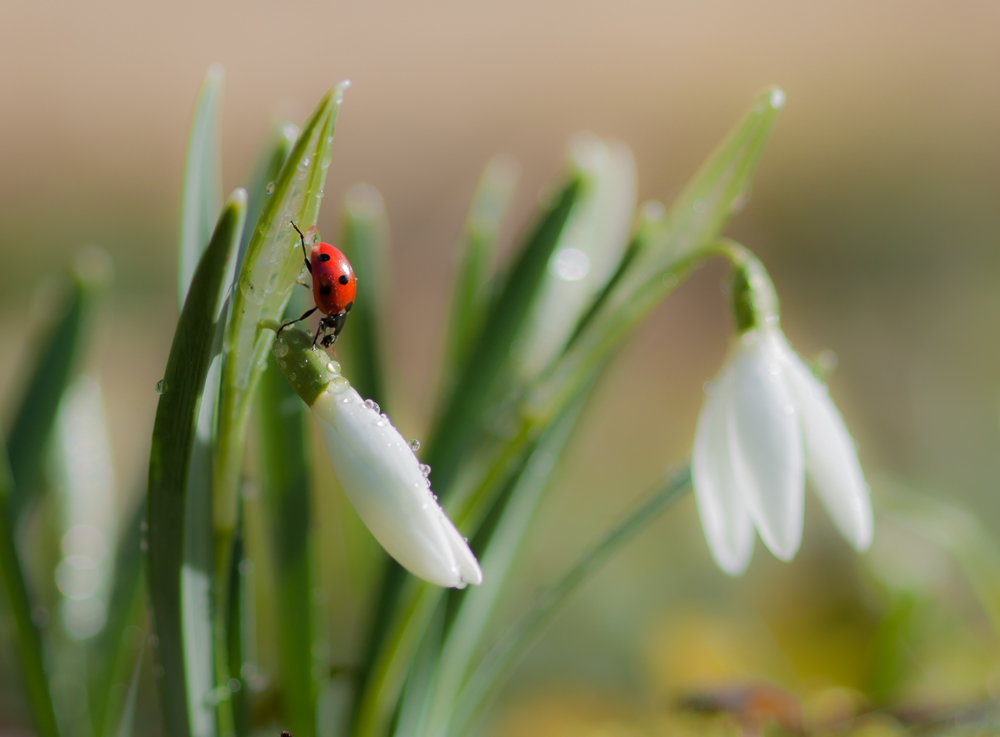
(334, 287)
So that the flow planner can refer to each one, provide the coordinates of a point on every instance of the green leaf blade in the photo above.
(201, 194)
(365, 242)
(174, 437)
(272, 262)
(283, 457)
(57, 361)
(28, 639)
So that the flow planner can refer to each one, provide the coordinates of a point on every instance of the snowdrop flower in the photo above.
(766, 425)
(377, 469)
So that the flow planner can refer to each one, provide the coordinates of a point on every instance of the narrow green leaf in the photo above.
(57, 360)
(477, 247)
(269, 162)
(955, 529)
(498, 662)
(201, 195)
(272, 262)
(29, 638)
(174, 435)
(668, 251)
(126, 722)
(365, 242)
(283, 458)
(459, 424)
(107, 654)
(496, 544)
(239, 632)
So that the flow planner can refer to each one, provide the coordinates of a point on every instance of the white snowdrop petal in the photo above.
(831, 459)
(766, 443)
(382, 478)
(724, 517)
(468, 566)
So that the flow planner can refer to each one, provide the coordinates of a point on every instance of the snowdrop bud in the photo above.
(377, 469)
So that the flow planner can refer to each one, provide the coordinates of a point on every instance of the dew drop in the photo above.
(333, 367)
(669, 281)
(339, 385)
(699, 206)
(270, 188)
(372, 405)
(414, 445)
(281, 349)
(708, 387)
(161, 386)
(777, 98)
(425, 470)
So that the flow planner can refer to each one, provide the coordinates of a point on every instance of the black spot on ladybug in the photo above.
(343, 278)
(348, 306)
(324, 257)
(325, 289)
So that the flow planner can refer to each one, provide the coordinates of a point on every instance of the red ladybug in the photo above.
(333, 287)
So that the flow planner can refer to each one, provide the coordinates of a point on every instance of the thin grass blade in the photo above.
(174, 436)
(283, 458)
(107, 653)
(496, 545)
(272, 262)
(126, 721)
(56, 362)
(269, 162)
(201, 195)
(365, 242)
(498, 662)
(669, 250)
(477, 248)
(31, 656)
(956, 530)
(461, 420)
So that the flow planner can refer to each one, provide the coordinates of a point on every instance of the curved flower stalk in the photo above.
(377, 468)
(766, 425)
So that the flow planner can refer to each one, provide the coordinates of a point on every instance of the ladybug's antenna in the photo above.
(302, 238)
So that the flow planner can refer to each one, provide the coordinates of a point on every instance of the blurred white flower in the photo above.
(765, 425)
(378, 469)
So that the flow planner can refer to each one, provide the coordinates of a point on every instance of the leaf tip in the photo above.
(776, 97)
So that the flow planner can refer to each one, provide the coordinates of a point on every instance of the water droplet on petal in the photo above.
(372, 405)
(414, 445)
(708, 387)
(425, 469)
(339, 385)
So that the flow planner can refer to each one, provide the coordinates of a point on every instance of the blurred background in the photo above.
(876, 209)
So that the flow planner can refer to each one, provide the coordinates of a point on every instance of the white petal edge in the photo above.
(831, 459)
(382, 479)
(724, 517)
(766, 443)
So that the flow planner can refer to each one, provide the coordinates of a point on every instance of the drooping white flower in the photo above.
(377, 469)
(767, 424)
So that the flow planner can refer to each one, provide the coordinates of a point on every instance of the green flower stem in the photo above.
(28, 639)
(503, 656)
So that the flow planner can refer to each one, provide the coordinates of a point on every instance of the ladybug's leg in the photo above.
(320, 330)
(302, 238)
(292, 322)
(338, 323)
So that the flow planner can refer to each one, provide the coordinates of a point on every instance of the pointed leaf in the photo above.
(174, 435)
(201, 195)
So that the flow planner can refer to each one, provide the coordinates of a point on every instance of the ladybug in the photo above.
(333, 288)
